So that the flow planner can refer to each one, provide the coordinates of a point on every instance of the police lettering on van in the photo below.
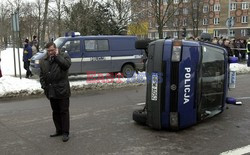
(100, 54)
(187, 85)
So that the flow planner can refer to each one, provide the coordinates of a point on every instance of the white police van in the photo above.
(100, 54)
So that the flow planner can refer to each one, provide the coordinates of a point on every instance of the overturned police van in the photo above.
(188, 83)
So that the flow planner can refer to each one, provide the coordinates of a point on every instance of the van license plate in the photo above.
(154, 88)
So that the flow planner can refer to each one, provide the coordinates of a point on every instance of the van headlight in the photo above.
(37, 62)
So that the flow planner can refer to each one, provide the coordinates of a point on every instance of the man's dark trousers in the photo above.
(60, 108)
(27, 68)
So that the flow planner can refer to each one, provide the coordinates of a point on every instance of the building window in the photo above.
(232, 33)
(244, 6)
(149, 3)
(175, 34)
(195, 6)
(243, 32)
(185, 11)
(233, 6)
(165, 34)
(184, 22)
(150, 24)
(217, 7)
(216, 21)
(156, 35)
(165, 1)
(176, 12)
(233, 19)
(205, 8)
(205, 21)
(176, 23)
(244, 19)
(150, 36)
(176, 1)
(216, 33)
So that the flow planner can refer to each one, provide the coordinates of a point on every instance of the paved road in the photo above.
(101, 123)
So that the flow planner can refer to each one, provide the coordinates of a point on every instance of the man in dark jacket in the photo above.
(54, 80)
(27, 54)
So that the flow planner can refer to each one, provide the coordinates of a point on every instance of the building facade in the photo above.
(197, 16)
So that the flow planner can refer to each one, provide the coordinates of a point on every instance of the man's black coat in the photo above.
(54, 76)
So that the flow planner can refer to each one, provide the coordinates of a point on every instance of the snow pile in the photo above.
(14, 86)
(242, 69)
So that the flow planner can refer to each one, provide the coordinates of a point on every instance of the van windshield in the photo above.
(212, 78)
(58, 42)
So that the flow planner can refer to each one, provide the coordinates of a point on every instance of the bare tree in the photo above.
(162, 11)
(121, 13)
(5, 25)
(39, 4)
(196, 7)
(44, 21)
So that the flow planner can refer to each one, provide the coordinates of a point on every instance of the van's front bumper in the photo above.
(35, 68)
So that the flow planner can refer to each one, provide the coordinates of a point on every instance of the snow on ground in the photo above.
(7, 61)
(11, 86)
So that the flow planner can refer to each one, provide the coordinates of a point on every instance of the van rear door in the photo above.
(213, 80)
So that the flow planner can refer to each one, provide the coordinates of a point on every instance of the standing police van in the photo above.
(98, 54)
(187, 83)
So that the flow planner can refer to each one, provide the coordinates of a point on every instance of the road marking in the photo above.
(238, 151)
(140, 104)
(243, 98)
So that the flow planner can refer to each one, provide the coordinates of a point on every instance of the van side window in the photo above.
(96, 45)
(72, 46)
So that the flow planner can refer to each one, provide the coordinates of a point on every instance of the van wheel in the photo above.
(128, 71)
(140, 116)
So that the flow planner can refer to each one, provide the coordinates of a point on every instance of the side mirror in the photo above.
(63, 49)
(233, 59)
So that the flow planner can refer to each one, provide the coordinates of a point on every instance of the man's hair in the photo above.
(50, 44)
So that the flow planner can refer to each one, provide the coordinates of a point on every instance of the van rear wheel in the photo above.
(128, 71)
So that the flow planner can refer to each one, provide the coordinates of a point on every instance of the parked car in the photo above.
(100, 54)
(187, 82)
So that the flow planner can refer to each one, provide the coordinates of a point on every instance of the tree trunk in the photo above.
(160, 31)
(44, 22)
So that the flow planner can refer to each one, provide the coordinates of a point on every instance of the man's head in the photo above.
(34, 37)
(51, 49)
(26, 41)
(226, 42)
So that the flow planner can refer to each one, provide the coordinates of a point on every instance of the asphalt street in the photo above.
(101, 123)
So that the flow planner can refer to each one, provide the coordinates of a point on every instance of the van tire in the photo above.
(140, 116)
(128, 71)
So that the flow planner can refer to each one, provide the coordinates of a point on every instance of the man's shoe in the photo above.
(65, 137)
(56, 134)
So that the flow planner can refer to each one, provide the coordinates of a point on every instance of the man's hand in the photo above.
(56, 52)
